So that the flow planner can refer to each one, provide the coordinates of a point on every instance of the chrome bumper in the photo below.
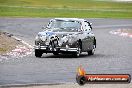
(58, 49)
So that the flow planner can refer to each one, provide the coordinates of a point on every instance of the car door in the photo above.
(87, 42)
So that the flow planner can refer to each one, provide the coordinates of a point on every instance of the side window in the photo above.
(87, 26)
(49, 24)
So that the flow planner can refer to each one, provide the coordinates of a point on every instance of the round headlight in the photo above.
(43, 38)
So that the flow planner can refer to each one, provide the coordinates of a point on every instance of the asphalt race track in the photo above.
(113, 54)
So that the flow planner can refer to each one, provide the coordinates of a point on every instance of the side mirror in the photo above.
(90, 23)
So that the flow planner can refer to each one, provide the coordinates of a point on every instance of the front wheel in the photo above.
(38, 53)
(77, 54)
(79, 49)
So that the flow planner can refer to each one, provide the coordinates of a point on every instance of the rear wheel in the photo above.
(91, 52)
(38, 53)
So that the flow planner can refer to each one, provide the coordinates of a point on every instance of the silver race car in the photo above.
(66, 36)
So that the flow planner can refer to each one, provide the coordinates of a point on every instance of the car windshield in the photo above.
(61, 25)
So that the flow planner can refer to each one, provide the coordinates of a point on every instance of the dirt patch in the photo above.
(122, 32)
(127, 31)
(7, 43)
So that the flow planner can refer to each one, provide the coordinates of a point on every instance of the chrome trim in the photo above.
(40, 47)
(70, 49)
(61, 49)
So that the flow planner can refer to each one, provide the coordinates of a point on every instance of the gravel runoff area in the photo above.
(122, 32)
(7, 43)
(11, 46)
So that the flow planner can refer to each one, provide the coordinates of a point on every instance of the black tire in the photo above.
(77, 54)
(95, 42)
(38, 53)
(91, 52)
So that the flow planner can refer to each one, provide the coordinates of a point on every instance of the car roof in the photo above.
(70, 19)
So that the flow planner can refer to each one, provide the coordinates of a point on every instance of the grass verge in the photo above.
(64, 8)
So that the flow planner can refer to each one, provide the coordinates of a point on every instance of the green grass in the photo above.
(65, 8)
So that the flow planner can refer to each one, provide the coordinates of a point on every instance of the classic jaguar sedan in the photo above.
(66, 36)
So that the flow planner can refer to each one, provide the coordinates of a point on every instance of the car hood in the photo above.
(59, 34)
(61, 37)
